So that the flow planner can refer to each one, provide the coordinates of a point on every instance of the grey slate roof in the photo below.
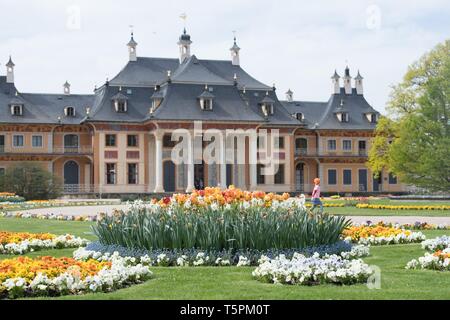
(152, 71)
(238, 100)
(41, 108)
(323, 113)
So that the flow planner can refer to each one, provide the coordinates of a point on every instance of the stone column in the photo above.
(223, 163)
(190, 165)
(253, 159)
(159, 188)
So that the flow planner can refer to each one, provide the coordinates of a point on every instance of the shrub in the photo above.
(236, 227)
(31, 181)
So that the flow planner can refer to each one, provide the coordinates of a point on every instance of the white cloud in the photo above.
(296, 45)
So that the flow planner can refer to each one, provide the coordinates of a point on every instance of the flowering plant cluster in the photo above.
(436, 244)
(193, 257)
(379, 234)
(409, 226)
(402, 207)
(439, 260)
(437, 257)
(47, 216)
(312, 270)
(216, 198)
(10, 197)
(22, 242)
(49, 276)
(34, 204)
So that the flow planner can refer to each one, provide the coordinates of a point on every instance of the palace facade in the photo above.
(118, 140)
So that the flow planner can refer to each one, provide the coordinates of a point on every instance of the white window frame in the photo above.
(335, 145)
(351, 145)
(42, 140)
(23, 140)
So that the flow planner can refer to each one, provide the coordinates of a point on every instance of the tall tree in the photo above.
(31, 181)
(414, 144)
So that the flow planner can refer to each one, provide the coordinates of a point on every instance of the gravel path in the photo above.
(93, 210)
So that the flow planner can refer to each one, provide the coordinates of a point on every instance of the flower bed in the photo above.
(437, 257)
(22, 242)
(379, 235)
(47, 216)
(439, 260)
(436, 244)
(49, 276)
(192, 257)
(402, 207)
(409, 226)
(219, 220)
(34, 204)
(10, 197)
(313, 270)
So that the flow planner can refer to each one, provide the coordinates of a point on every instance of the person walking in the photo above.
(315, 197)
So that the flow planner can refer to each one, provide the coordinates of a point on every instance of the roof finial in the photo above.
(183, 17)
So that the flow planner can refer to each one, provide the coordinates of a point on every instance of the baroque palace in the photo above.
(118, 140)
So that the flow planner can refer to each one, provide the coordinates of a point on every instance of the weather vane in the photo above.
(183, 17)
(131, 28)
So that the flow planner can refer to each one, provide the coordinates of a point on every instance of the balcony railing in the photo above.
(73, 150)
(314, 152)
(55, 150)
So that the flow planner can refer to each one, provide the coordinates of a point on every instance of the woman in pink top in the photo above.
(315, 197)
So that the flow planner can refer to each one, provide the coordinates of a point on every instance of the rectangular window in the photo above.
(167, 141)
(260, 141)
(132, 140)
(36, 141)
(2, 171)
(261, 179)
(111, 173)
(347, 175)
(280, 143)
(347, 145)
(332, 177)
(331, 145)
(18, 141)
(132, 173)
(110, 140)
(392, 179)
(279, 176)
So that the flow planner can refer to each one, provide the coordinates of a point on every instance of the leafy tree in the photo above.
(31, 181)
(414, 144)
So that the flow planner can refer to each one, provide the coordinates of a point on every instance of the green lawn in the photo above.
(237, 283)
(353, 211)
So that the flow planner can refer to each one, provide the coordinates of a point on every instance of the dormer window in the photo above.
(267, 105)
(206, 99)
(156, 103)
(69, 111)
(299, 116)
(17, 110)
(120, 102)
(157, 98)
(121, 106)
(206, 104)
(372, 117)
(342, 116)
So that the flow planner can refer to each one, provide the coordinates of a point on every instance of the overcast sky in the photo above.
(295, 44)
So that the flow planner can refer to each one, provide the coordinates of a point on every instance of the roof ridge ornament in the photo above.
(10, 71)
(235, 52)
(132, 44)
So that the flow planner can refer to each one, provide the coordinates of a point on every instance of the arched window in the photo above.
(301, 146)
